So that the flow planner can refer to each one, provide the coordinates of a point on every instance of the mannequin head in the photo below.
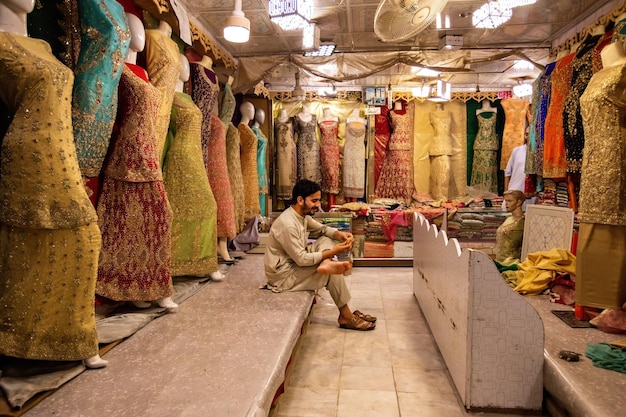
(612, 54)
(259, 116)
(13, 15)
(247, 112)
(137, 37)
(514, 199)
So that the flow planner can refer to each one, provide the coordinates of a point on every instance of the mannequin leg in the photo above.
(222, 249)
(95, 362)
(168, 303)
(217, 276)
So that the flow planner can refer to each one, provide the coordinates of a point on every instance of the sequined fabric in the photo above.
(309, 166)
(163, 66)
(554, 162)
(104, 44)
(285, 158)
(261, 158)
(49, 239)
(205, 93)
(509, 239)
(329, 156)
(354, 160)
(249, 170)
(573, 132)
(545, 87)
(516, 114)
(134, 214)
(396, 175)
(194, 224)
(596, 58)
(439, 151)
(233, 158)
(603, 171)
(485, 162)
(382, 133)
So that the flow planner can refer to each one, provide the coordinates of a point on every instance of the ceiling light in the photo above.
(421, 92)
(523, 90)
(290, 14)
(325, 49)
(491, 15)
(311, 37)
(509, 4)
(451, 42)
(440, 92)
(237, 26)
(426, 72)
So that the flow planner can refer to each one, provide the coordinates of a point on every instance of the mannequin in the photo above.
(163, 66)
(194, 226)
(486, 107)
(259, 119)
(286, 156)
(139, 203)
(330, 152)
(600, 260)
(249, 165)
(398, 106)
(33, 328)
(282, 116)
(307, 145)
(206, 94)
(509, 234)
(354, 157)
(96, 77)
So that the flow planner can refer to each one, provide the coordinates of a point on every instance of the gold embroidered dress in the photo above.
(133, 211)
(354, 160)
(516, 115)
(509, 239)
(485, 162)
(249, 169)
(194, 225)
(49, 237)
(439, 152)
(285, 158)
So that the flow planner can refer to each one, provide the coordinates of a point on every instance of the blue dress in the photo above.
(261, 151)
(105, 41)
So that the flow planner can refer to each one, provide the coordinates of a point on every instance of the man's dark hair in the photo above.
(304, 188)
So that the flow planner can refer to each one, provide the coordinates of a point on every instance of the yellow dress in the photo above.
(249, 170)
(163, 66)
(49, 237)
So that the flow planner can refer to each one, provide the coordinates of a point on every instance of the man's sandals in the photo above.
(357, 323)
(365, 317)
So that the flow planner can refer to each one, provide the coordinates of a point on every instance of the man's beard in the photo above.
(310, 209)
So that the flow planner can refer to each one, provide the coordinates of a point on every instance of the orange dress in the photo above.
(516, 114)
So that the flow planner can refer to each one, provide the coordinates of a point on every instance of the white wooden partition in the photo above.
(489, 336)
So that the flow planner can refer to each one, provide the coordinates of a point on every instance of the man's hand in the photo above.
(343, 236)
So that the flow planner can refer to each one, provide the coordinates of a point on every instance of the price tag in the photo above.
(369, 111)
(183, 21)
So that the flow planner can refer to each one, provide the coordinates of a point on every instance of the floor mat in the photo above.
(570, 319)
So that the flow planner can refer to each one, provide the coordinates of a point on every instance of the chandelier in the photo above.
(509, 4)
(491, 15)
(290, 14)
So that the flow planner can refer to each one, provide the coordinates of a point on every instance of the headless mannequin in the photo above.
(398, 106)
(206, 62)
(486, 107)
(282, 116)
(305, 115)
(184, 73)
(137, 43)
(439, 107)
(613, 54)
(13, 20)
(259, 119)
(165, 28)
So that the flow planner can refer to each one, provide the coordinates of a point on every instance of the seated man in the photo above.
(293, 264)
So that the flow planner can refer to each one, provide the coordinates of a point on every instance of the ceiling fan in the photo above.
(397, 20)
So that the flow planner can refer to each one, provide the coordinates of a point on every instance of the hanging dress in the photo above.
(439, 152)
(354, 160)
(330, 152)
(554, 162)
(194, 224)
(396, 175)
(205, 92)
(163, 65)
(261, 158)
(535, 158)
(233, 156)
(382, 133)
(309, 167)
(485, 163)
(516, 115)
(49, 237)
(105, 41)
(133, 211)
(285, 158)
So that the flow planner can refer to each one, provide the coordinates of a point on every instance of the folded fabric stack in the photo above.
(562, 197)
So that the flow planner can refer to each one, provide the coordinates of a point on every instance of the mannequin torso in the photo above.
(327, 116)
(486, 107)
(282, 116)
(184, 73)
(13, 16)
(305, 115)
(137, 38)
(613, 54)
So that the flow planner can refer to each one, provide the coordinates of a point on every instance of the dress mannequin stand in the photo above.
(259, 119)
(330, 154)
(486, 107)
(14, 34)
(354, 156)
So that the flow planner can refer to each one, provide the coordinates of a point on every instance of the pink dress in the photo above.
(329, 154)
(205, 91)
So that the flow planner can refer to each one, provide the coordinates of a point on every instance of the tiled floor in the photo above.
(395, 370)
